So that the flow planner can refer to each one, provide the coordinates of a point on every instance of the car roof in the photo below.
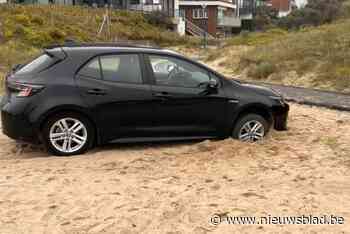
(109, 47)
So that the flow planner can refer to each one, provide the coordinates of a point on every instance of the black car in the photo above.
(73, 97)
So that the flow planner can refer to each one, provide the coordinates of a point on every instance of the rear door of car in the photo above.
(115, 87)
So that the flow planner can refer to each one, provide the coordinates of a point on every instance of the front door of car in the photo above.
(184, 104)
(115, 89)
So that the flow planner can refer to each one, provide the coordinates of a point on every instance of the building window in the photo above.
(200, 13)
(182, 13)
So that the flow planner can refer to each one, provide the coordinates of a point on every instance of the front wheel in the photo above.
(250, 128)
(68, 134)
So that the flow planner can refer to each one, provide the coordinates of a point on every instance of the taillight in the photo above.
(24, 90)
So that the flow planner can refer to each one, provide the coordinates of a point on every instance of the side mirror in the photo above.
(213, 84)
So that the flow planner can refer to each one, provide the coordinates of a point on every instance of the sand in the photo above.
(177, 187)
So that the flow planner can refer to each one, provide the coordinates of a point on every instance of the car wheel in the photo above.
(68, 134)
(250, 128)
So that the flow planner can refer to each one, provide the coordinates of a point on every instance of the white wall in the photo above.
(3, 1)
(301, 3)
(283, 13)
(181, 27)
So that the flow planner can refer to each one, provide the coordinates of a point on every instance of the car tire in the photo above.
(67, 134)
(250, 128)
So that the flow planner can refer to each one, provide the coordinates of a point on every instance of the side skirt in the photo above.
(159, 139)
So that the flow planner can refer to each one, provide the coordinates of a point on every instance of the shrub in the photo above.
(20, 30)
(345, 10)
(37, 38)
(264, 17)
(57, 35)
(257, 38)
(37, 20)
(315, 13)
(159, 18)
(262, 70)
(22, 19)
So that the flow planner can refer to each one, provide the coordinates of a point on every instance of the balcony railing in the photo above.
(246, 10)
(229, 21)
(145, 8)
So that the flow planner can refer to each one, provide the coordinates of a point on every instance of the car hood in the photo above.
(261, 90)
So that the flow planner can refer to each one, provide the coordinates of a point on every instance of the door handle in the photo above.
(163, 95)
(97, 92)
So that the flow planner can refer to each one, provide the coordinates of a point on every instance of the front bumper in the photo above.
(281, 117)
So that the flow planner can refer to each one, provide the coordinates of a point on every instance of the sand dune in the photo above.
(176, 188)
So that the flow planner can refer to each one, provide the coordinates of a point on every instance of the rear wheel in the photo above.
(251, 128)
(68, 134)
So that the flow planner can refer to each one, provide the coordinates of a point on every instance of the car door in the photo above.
(184, 106)
(115, 89)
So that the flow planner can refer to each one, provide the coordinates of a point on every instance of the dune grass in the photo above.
(40, 25)
(323, 51)
(257, 38)
(24, 29)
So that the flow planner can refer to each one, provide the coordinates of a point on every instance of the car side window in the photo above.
(91, 69)
(169, 71)
(123, 68)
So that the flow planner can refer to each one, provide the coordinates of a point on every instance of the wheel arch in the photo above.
(71, 109)
(254, 108)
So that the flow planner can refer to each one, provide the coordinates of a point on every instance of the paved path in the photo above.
(313, 97)
(333, 100)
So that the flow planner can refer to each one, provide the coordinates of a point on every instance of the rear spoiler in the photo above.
(56, 52)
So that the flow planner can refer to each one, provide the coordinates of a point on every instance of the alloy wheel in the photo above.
(252, 131)
(68, 135)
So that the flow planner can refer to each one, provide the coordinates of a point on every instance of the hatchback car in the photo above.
(73, 97)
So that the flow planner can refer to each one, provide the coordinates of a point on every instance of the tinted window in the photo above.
(170, 71)
(121, 68)
(37, 65)
(91, 69)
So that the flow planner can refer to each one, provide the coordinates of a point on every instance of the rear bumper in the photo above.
(281, 118)
(17, 127)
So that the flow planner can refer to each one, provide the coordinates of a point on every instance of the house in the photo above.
(245, 12)
(213, 17)
(284, 7)
(218, 17)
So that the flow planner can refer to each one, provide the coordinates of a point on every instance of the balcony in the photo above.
(229, 21)
(145, 7)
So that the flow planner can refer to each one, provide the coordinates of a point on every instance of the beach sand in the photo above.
(178, 187)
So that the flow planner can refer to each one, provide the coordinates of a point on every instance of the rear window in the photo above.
(91, 70)
(123, 68)
(37, 65)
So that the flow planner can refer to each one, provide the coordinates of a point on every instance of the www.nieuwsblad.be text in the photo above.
(277, 220)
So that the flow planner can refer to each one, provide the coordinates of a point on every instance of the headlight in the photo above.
(279, 99)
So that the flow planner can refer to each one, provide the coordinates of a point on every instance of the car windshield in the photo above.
(37, 65)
